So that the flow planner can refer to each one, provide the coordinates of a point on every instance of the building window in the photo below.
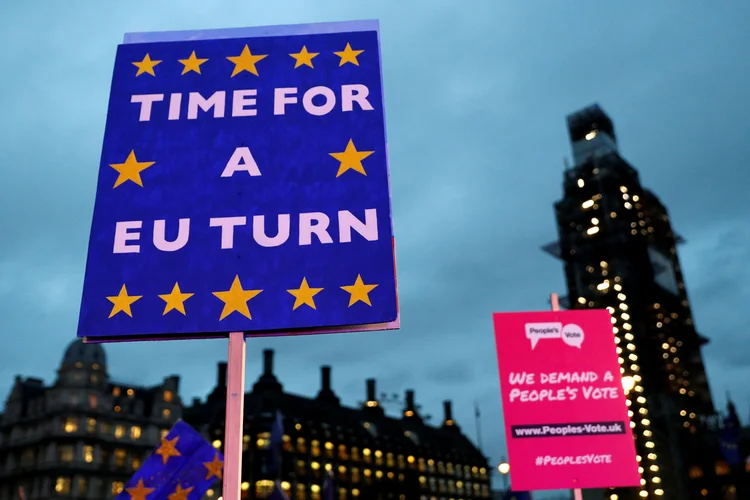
(88, 453)
(71, 425)
(106, 428)
(301, 490)
(315, 447)
(27, 457)
(722, 468)
(329, 449)
(117, 487)
(66, 453)
(263, 441)
(168, 396)
(94, 378)
(355, 453)
(301, 447)
(367, 454)
(135, 432)
(343, 455)
(119, 431)
(389, 460)
(93, 401)
(120, 458)
(315, 489)
(301, 467)
(136, 463)
(82, 486)
(378, 457)
(166, 413)
(164, 433)
(62, 485)
(263, 488)
(355, 475)
(116, 393)
(131, 392)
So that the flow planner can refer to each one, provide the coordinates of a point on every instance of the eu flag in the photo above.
(276, 442)
(183, 467)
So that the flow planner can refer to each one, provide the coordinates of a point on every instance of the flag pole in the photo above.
(554, 301)
(234, 416)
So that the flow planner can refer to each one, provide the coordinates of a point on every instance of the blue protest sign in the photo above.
(243, 186)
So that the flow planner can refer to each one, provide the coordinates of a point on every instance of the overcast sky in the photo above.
(476, 95)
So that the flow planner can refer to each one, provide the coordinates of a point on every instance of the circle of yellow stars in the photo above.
(167, 450)
(246, 61)
(235, 300)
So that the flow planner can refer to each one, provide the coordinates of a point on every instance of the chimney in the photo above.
(371, 390)
(410, 400)
(268, 362)
(448, 409)
(409, 409)
(222, 376)
(325, 379)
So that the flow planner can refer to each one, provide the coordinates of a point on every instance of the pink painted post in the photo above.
(555, 303)
(234, 416)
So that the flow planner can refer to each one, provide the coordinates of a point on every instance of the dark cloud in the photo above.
(476, 100)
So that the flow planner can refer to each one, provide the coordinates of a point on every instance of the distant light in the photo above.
(587, 204)
(503, 468)
(581, 183)
(628, 383)
(592, 230)
(591, 135)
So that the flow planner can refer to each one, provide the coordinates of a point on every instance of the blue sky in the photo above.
(476, 95)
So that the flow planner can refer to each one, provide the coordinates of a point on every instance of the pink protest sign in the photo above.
(566, 420)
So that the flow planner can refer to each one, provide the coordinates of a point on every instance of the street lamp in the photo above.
(504, 469)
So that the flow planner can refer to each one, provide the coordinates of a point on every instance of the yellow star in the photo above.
(359, 292)
(146, 66)
(139, 491)
(180, 494)
(214, 467)
(175, 300)
(130, 170)
(168, 449)
(122, 302)
(246, 62)
(348, 55)
(351, 159)
(235, 299)
(304, 58)
(304, 295)
(192, 63)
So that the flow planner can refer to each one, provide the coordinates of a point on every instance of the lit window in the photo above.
(62, 485)
(93, 401)
(119, 431)
(168, 396)
(164, 433)
(131, 392)
(88, 453)
(136, 463)
(166, 413)
(71, 425)
(116, 392)
(66, 453)
(117, 487)
(135, 432)
(91, 425)
(120, 457)
(581, 183)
